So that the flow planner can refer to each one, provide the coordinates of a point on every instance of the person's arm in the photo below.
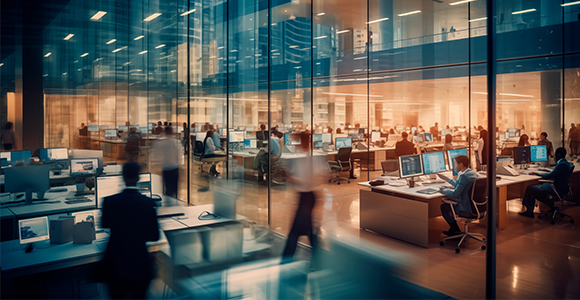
(460, 185)
(106, 218)
(210, 144)
(558, 171)
(152, 230)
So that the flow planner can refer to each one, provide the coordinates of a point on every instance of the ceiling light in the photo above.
(118, 49)
(377, 20)
(187, 12)
(480, 19)
(111, 41)
(98, 15)
(461, 2)
(409, 13)
(221, 47)
(64, 74)
(84, 54)
(152, 17)
(343, 31)
(143, 52)
(48, 54)
(1, 64)
(354, 95)
(294, 46)
(138, 38)
(69, 36)
(570, 3)
(320, 14)
(160, 46)
(320, 37)
(523, 11)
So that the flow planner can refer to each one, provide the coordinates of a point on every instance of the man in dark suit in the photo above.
(133, 221)
(405, 147)
(542, 192)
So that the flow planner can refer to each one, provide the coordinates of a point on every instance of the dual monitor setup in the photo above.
(428, 163)
(318, 140)
(530, 154)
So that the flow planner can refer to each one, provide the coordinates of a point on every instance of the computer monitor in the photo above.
(27, 179)
(451, 154)
(433, 162)
(292, 139)
(399, 128)
(342, 142)
(53, 154)
(428, 136)
(262, 135)
(110, 133)
(317, 140)
(327, 137)
(4, 162)
(200, 136)
(413, 129)
(86, 166)
(110, 185)
(445, 132)
(356, 135)
(503, 158)
(222, 131)
(33, 230)
(394, 137)
(93, 127)
(251, 143)
(417, 138)
(84, 216)
(236, 136)
(507, 135)
(83, 153)
(6, 155)
(375, 136)
(410, 166)
(538, 153)
(150, 126)
(521, 155)
(20, 156)
(123, 128)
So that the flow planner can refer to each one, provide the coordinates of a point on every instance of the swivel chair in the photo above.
(556, 211)
(343, 163)
(478, 192)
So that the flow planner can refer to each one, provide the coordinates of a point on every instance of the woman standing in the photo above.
(481, 150)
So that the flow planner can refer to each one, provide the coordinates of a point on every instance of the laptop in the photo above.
(225, 204)
(390, 167)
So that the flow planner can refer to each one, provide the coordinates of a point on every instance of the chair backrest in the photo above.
(479, 197)
(199, 148)
(390, 165)
(343, 158)
(569, 194)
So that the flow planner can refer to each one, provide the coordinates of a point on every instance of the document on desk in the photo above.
(398, 183)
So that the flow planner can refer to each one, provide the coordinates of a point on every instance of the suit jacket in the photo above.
(560, 175)
(133, 221)
(461, 191)
(405, 147)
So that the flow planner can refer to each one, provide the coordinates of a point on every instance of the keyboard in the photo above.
(77, 200)
(170, 215)
(59, 190)
(428, 191)
(544, 170)
(81, 193)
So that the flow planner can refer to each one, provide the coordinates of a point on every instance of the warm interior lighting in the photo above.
(1, 64)
(152, 17)
(160, 46)
(523, 11)
(84, 54)
(139, 37)
(479, 19)
(354, 95)
(320, 37)
(143, 52)
(505, 94)
(570, 3)
(69, 36)
(461, 2)
(342, 31)
(409, 13)
(111, 41)
(119, 49)
(187, 12)
(48, 54)
(98, 15)
(377, 20)
(293, 46)
(321, 14)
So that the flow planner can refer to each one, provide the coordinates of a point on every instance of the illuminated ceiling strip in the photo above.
(461, 2)
(409, 13)
(378, 20)
(354, 95)
(523, 11)
(187, 12)
(69, 36)
(152, 17)
(98, 15)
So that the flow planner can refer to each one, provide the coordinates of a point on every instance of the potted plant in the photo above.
(80, 182)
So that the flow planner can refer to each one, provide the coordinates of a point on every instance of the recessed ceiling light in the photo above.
(111, 41)
(138, 38)
(160, 46)
(118, 49)
(523, 11)
(98, 15)
(187, 12)
(461, 2)
(69, 36)
(343, 31)
(321, 14)
(409, 13)
(152, 17)
(84, 54)
(479, 19)
(143, 52)
(320, 37)
(570, 3)
(378, 20)
(48, 54)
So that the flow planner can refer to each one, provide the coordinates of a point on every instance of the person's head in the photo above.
(523, 140)
(159, 123)
(127, 123)
(262, 126)
(480, 128)
(170, 124)
(560, 153)
(391, 131)
(461, 163)
(572, 125)
(404, 134)
(543, 136)
(82, 124)
(448, 138)
(8, 125)
(165, 123)
(209, 134)
(523, 127)
(447, 127)
(436, 124)
(168, 130)
(131, 172)
(132, 129)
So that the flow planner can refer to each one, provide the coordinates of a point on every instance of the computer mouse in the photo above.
(497, 178)
(29, 248)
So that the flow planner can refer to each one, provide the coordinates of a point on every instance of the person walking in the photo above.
(8, 137)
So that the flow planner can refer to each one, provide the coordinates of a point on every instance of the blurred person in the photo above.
(481, 150)
(168, 151)
(404, 147)
(448, 142)
(133, 144)
(306, 179)
(574, 140)
(435, 131)
(8, 137)
(459, 193)
(210, 151)
(158, 129)
(83, 130)
(165, 124)
(545, 142)
(127, 266)
(544, 192)
(523, 130)
(524, 140)
(216, 138)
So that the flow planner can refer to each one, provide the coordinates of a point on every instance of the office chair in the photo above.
(478, 193)
(555, 210)
(390, 166)
(342, 164)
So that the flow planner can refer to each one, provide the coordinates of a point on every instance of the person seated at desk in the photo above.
(405, 147)
(127, 266)
(158, 129)
(545, 142)
(524, 141)
(262, 134)
(459, 193)
(542, 192)
(448, 142)
(209, 151)
(83, 130)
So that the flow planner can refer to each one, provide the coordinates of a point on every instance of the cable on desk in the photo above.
(206, 215)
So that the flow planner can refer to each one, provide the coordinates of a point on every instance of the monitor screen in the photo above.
(123, 128)
(4, 162)
(445, 132)
(93, 128)
(250, 143)
(503, 158)
(356, 135)
(111, 185)
(221, 131)
(538, 153)
(521, 155)
(150, 126)
(395, 137)
(110, 133)
(317, 140)
(291, 139)
(236, 136)
(200, 136)
(410, 166)
(512, 130)
(451, 154)
(86, 166)
(23, 156)
(33, 230)
(433, 162)
(34, 177)
(428, 136)
(342, 142)
(5, 155)
(375, 136)
(327, 137)
(507, 135)
(53, 154)
(84, 216)
(417, 138)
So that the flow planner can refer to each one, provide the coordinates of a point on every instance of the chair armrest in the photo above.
(449, 201)
(546, 181)
(332, 163)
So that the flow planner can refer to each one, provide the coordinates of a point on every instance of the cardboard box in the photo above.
(84, 233)
(61, 230)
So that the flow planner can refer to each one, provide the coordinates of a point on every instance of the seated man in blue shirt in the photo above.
(459, 193)
(543, 192)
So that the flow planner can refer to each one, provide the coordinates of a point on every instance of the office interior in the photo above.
(346, 71)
